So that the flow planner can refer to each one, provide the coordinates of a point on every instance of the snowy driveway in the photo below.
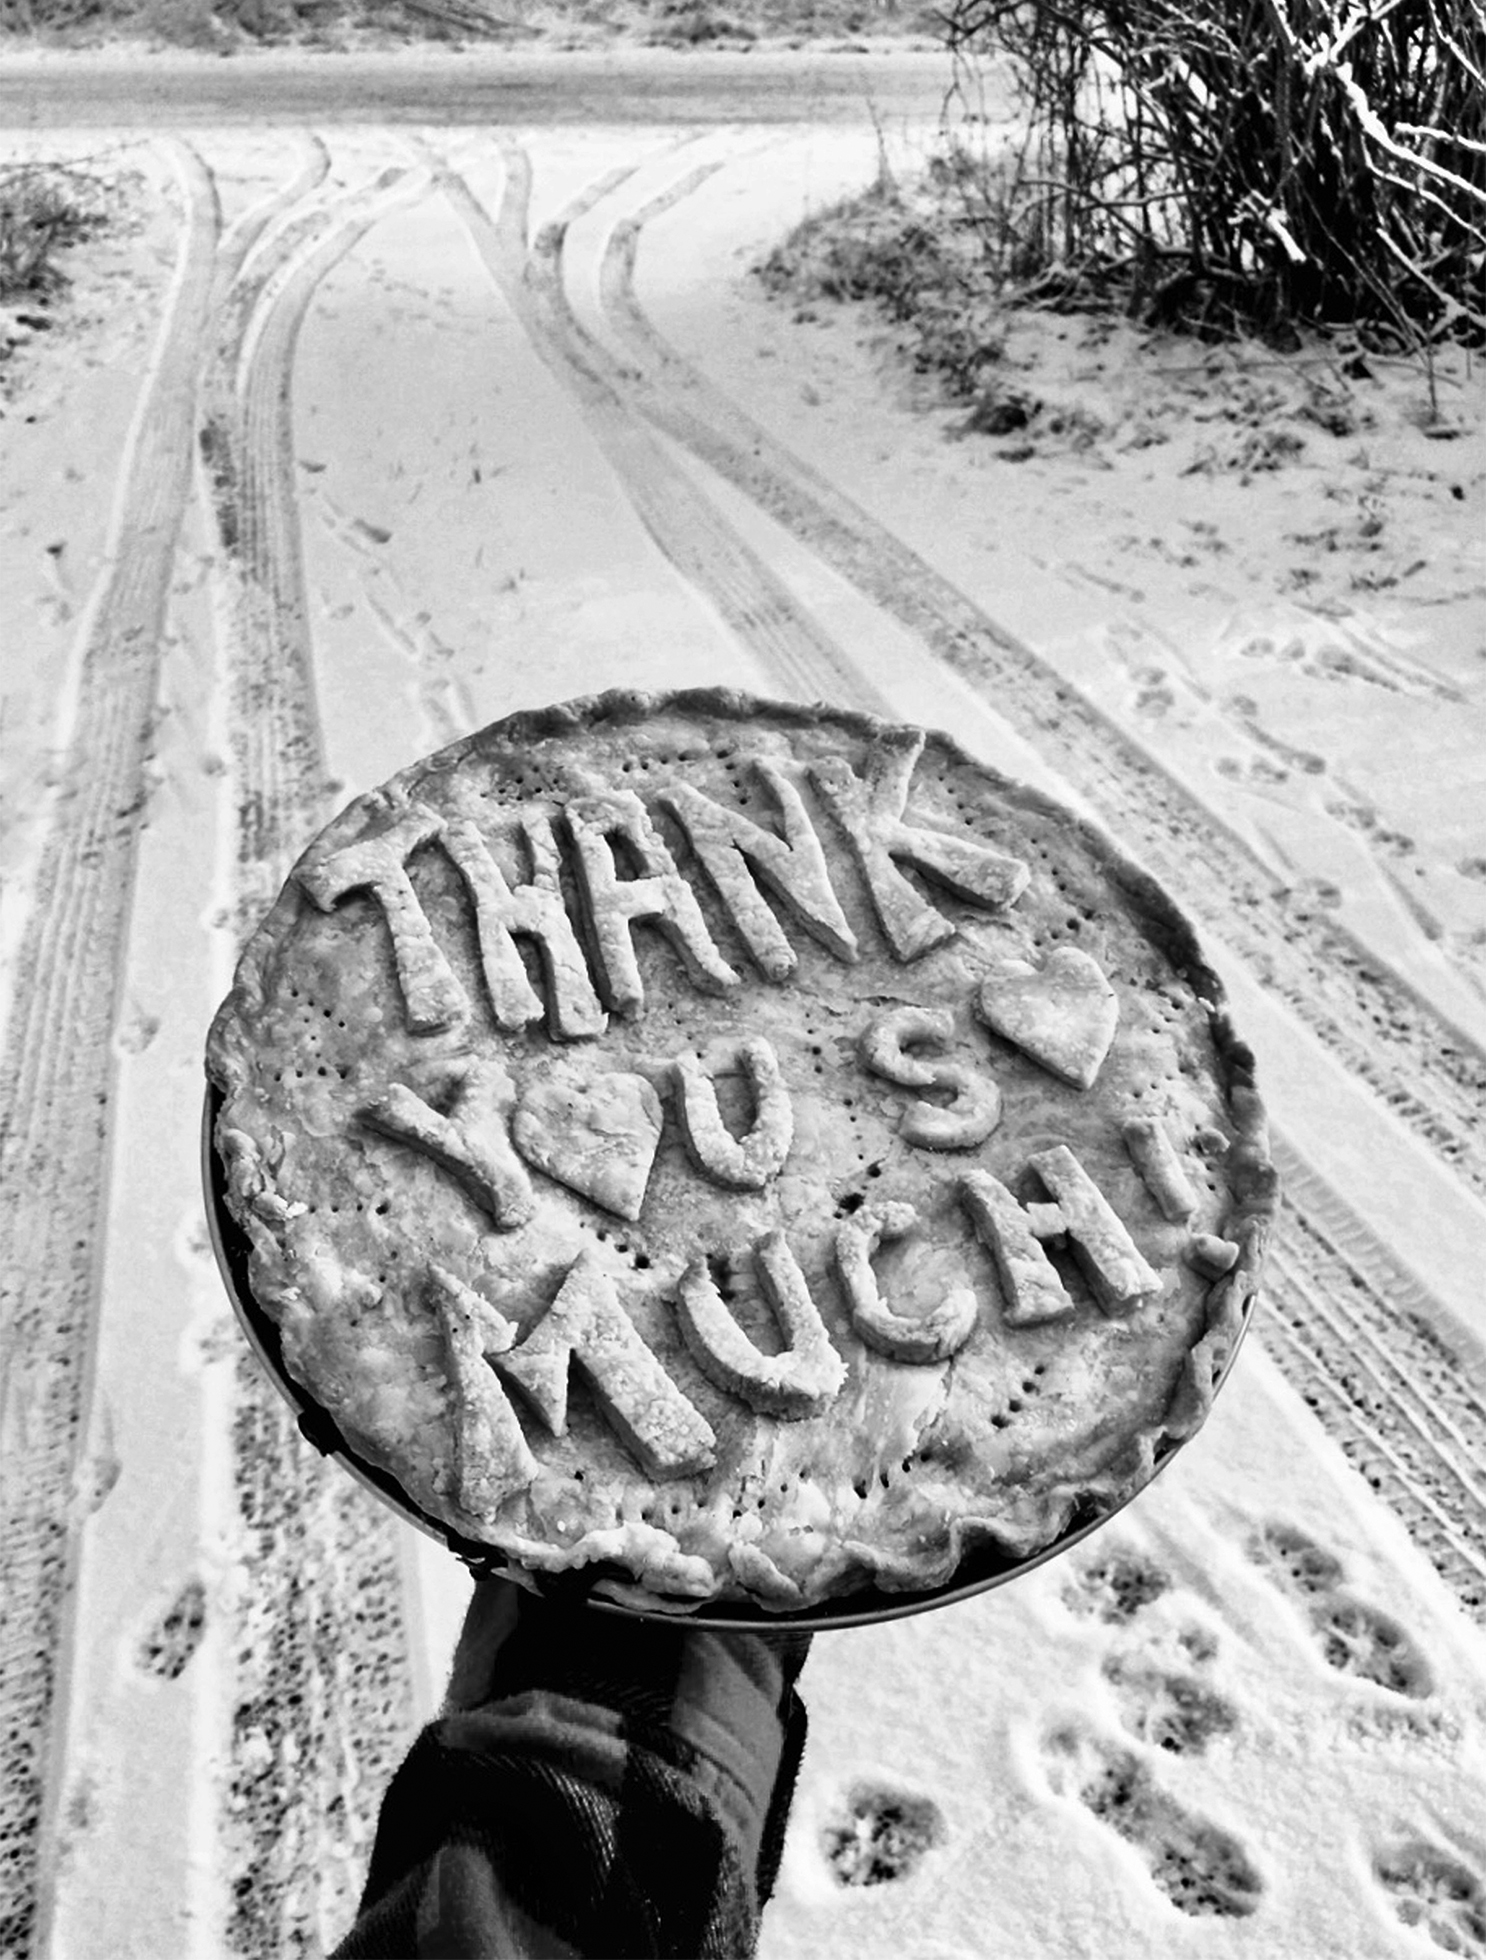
(365, 437)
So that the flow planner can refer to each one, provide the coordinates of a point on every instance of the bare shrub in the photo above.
(1242, 163)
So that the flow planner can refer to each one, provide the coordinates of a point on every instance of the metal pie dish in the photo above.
(980, 1572)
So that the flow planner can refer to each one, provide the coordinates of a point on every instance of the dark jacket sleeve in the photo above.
(621, 1790)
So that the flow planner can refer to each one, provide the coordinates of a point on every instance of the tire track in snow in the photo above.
(1360, 1338)
(322, 1692)
(686, 527)
(1430, 1073)
(57, 1071)
(251, 224)
(246, 441)
(236, 292)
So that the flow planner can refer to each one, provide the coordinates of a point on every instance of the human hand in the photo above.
(513, 1639)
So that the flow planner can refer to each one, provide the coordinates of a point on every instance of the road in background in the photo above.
(479, 86)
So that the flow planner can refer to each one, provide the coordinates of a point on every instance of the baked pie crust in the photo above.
(752, 1153)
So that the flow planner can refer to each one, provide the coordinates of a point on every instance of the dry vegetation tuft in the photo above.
(900, 250)
(44, 207)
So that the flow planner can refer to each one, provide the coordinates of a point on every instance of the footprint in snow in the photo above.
(1115, 1585)
(1264, 648)
(1203, 1870)
(1355, 1638)
(1432, 1890)
(1155, 702)
(1159, 1702)
(879, 1834)
(1173, 1711)
(175, 1636)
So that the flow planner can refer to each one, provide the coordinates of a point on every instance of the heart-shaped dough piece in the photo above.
(1063, 1013)
(599, 1138)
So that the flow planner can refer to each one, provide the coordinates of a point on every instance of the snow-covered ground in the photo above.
(354, 442)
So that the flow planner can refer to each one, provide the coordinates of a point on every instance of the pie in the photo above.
(738, 1152)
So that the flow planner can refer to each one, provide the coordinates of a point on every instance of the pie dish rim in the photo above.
(1169, 928)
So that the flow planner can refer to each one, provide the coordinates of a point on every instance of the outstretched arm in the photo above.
(595, 1786)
